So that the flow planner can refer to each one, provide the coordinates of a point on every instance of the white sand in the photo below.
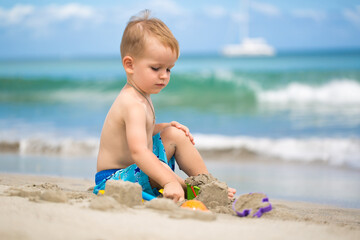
(59, 208)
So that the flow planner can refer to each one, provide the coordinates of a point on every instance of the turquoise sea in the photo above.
(298, 108)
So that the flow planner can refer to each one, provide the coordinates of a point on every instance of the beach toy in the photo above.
(147, 196)
(192, 192)
(252, 202)
(101, 192)
(194, 205)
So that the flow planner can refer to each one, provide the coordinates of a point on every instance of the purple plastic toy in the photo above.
(259, 213)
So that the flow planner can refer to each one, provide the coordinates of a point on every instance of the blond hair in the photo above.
(139, 28)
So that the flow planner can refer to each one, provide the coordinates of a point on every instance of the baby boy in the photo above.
(133, 147)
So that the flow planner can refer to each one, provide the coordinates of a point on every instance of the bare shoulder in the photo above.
(127, 105)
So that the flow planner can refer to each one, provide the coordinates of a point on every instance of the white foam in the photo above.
(63, 147)
(336, 92)
(332, 151)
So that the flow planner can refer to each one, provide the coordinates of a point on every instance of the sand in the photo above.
(213, 193)
(39, 207)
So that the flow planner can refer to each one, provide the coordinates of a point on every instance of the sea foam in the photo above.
(335, 92)
(329, 151)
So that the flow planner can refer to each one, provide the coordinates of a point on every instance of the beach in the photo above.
(70, 216)
(286, 126)
(277, 117)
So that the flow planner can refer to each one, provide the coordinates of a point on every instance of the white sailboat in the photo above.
(248, 46)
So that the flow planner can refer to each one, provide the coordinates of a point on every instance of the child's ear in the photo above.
(128, 63)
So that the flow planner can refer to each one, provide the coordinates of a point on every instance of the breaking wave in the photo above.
(330, 151)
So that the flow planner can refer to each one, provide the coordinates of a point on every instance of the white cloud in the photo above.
(15, 15)
(265, 8)
(315, 15)
(72, 10)
(35, 17)
(353, 15)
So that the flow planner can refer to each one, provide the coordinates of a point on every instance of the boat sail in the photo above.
(248, 46)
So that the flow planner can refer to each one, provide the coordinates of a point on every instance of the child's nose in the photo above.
(164, 74)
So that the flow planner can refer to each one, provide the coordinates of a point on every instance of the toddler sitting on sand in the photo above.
(132, 146)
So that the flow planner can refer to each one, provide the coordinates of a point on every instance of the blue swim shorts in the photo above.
(133, 173)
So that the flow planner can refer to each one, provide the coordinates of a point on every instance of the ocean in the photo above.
(297, 111)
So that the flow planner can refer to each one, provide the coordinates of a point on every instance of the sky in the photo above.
(94, 28)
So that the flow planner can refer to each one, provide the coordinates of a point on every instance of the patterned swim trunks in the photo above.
(133, 173)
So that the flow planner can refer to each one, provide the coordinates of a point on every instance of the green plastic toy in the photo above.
(192, 191)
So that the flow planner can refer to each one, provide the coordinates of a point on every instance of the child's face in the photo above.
(151, 71)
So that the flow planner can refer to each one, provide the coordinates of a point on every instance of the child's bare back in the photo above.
(114, 151)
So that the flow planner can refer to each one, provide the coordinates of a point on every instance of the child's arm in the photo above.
(135, 121)
(159, 127)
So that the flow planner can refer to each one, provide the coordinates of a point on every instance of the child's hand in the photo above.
(174, 191)
(185, 129)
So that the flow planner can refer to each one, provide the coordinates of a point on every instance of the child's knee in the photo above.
(173, 133)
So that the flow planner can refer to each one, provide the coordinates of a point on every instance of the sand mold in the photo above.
(126, 193)
(250, 204)
(213, 193)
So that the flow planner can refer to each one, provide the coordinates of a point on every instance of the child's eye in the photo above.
(168, 70)
(154, 68)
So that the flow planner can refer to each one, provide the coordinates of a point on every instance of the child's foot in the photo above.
(231, 192)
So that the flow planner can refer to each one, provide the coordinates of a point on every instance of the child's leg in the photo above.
(177, 144)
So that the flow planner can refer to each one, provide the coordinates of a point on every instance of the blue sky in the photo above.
(92, 27)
